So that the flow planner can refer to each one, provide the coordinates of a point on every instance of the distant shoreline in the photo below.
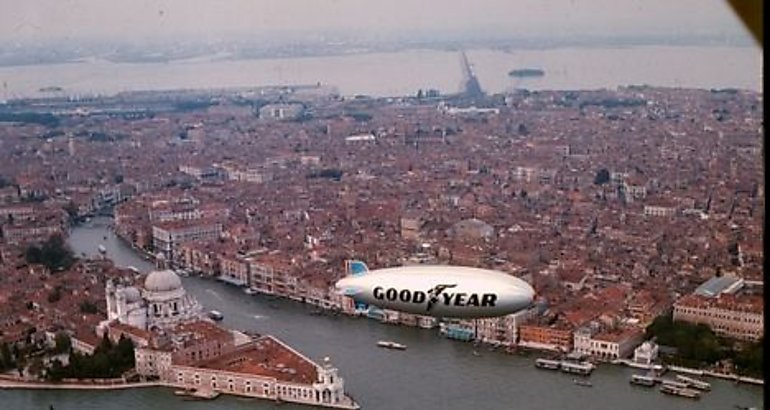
(401, 73)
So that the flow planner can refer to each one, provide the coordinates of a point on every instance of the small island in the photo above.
(526, 72)
(50, 89)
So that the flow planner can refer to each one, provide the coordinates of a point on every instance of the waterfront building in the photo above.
(266, 368)
(736, 316)
(646, 353)
(270, 274)
(545, 337)
(234, 268)
(167, 236)
(502, 330)
(606, 345)
(458, 329)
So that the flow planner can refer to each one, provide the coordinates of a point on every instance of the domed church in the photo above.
(162, 303)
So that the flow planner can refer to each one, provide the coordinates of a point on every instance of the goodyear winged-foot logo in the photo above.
(433, 294)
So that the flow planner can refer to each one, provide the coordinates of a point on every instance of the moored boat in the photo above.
(547, 364)
(698, 384)
(642, 380)
(583, 368)
(584, 383)
(681, 392)
(391, 345)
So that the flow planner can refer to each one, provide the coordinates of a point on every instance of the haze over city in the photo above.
(117, 22)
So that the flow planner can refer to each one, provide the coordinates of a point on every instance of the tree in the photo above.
(71, 209)
(53, 253)
(109, 360)
(55, 295)
(4, 182)
(88, 307)
(6, 358)
(63, 343)
(602, 177)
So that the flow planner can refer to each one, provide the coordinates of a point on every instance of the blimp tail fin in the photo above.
(356, 268)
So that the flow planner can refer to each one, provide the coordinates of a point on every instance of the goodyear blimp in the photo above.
(437, 290)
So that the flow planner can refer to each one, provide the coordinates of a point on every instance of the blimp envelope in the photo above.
(437, 290)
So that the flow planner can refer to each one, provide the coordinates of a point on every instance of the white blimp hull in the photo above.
(440, 291)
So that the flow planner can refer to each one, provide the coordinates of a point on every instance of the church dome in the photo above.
(131, 294)
(162, 281)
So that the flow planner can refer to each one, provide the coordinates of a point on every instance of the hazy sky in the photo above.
(140, 20)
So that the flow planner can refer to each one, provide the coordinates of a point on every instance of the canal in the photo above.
(433, 373)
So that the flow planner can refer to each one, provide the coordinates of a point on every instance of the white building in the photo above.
(502, 330)
(659, 210)
(607, 345)
(167, 236)
(161, 304)
(646, 353)
(735, 316)
(281, 111)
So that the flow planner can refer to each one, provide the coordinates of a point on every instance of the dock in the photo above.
(689, 381)
(582, 368)
(197, 394)
(547, 364)
(567, 366)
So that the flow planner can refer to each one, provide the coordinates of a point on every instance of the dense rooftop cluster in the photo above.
(610, 202)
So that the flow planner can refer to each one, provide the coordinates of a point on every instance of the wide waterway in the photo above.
(433, 373)
(404, 72)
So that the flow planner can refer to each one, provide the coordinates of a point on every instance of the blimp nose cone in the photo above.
(522, 294)
(348, 286)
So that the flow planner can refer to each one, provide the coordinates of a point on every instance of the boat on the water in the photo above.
(642, 380)
(692, 382)
(547, 364)
(391, 345)
(584, 383)
(678, 391)
(582, 368)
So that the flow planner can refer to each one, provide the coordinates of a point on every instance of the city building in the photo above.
(160, 304)
(646, 353)
(281, 111)
(167, 236)
(607, 345)
(736, 316)
(545, 337)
